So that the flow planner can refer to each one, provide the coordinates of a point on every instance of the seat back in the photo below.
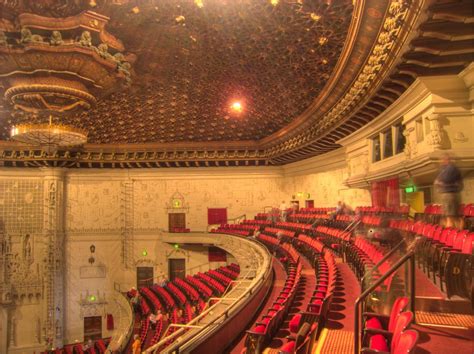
(467, 244)
(403, 321)
(398, 307)
(406, 342)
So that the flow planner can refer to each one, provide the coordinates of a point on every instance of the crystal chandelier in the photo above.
(48, 135)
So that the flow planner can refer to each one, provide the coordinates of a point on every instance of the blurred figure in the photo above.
(283, 208)
(137, 345)
(449, 183)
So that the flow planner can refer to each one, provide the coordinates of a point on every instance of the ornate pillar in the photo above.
(54, 265)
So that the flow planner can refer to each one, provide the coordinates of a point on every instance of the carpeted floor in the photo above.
(278, 282)
(436, 340)
(342, 309)
(425, 286)
(300, 303)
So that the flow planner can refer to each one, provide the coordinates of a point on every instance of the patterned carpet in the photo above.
(335, 341)
(442, 318)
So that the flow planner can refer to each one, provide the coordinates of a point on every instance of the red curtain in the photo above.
(217, 255)
(216, 216)
(110, 322)
(385, 193)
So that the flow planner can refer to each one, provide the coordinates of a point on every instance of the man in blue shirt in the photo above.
(449, 183)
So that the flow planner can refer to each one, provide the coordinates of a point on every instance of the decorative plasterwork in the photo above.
(384, 57)
(47, 66)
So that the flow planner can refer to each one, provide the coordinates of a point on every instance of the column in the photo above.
(53, 231)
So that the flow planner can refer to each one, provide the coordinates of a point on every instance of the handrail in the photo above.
(225, 314)
(243, 216)
(125, 327)
(409, 256)
(255, 283)
(388, 255)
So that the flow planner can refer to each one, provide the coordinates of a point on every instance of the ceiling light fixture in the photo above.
(237, 107)
(49, 136)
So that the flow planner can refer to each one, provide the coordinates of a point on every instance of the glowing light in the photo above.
(199, 3)
(144, 253)
(322, 40)
(92, 298)
(237, 107)
(315, 17)
(274, 2)
(176, 246)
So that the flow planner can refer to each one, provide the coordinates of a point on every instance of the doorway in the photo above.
(144, 276)
(92, 328)
(176, 268)
(176, 221)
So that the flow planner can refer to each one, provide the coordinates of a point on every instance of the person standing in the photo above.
(283, 209)
(450, 183)
(137, 345)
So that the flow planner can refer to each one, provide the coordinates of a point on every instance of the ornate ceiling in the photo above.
(306, 72)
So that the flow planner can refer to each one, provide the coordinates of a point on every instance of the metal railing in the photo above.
(250, 282)
(376, 266)
(409, 257)
(235, 220)
(124, 328)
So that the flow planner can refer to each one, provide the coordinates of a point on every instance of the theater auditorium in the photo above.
(236, 176)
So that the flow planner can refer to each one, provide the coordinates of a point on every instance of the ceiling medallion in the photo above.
(60, 64)
(48, 136)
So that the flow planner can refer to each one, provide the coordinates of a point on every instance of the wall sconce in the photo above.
(91, 258)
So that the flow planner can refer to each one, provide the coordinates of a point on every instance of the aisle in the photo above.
(303, 296)
(279, 278)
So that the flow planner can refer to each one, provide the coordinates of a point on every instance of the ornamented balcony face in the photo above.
(60, 65)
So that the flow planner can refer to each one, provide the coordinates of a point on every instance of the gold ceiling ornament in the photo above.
(60, 64)
(48, 136)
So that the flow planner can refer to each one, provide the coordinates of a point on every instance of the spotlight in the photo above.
(237, 107)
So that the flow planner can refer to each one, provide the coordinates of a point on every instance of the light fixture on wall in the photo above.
(91, 258)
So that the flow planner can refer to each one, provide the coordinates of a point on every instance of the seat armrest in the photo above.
(383, 332)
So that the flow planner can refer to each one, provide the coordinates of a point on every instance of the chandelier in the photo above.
(60, 66)
(48, 135)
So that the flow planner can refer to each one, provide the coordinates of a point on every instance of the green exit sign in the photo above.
(410, 189)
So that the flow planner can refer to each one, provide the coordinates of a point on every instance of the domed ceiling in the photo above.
(286, 63)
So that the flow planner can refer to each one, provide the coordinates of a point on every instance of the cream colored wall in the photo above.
(93, 200)
(326, 188)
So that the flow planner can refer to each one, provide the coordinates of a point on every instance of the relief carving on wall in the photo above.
(437, 136)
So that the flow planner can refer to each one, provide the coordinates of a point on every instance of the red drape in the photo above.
(216, 216)
(217, 255)
(110, 322)
(385, 193)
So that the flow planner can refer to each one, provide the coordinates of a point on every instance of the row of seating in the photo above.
(180, 293)
(373, 220)
(447, 253)
(293, 226)
(278, 231)
(320, 302)
(466, 210)
(257, 222)
(363, 255)
(264, 330)
(401, 210)
(389, 334)
(306, 217)
(321, 210)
